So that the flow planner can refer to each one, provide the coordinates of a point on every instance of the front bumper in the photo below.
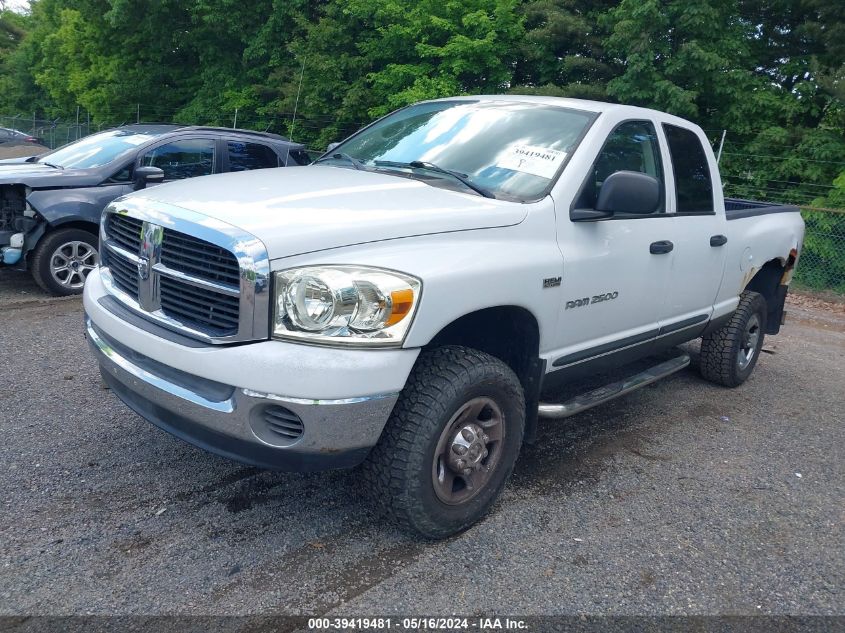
(179, 389)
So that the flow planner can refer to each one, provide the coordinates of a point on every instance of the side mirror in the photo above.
(588, 215)
(629, 192)
(330, 147)
(148, 176)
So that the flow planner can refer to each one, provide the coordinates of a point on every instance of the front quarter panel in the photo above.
(59, 206)
(466, 271)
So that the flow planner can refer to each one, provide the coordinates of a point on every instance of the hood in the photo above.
(295, 210)
(18, 159)
(38, 175)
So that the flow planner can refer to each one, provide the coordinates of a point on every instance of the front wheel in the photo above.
(451, 442)
(63, 259)
(729, 354)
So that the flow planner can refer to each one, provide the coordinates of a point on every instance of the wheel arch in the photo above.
(510, 333)
(48, 229)
(75, 222)
(772, 282)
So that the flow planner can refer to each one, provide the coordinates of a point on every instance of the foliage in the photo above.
(770, 72)
(563, 52)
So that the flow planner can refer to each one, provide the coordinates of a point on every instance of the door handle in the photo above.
(661, 247)
(718, 240)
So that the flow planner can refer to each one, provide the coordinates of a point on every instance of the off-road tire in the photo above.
(43, 254)
(398, 471)
(720, 350)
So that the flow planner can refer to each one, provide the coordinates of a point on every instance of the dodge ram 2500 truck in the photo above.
(410, 301)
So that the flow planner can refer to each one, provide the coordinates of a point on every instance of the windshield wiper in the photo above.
(419, 164)
(357, 164)
(44, 162)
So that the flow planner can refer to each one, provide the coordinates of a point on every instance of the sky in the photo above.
(17, 4)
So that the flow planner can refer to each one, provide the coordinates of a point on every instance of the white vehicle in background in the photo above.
(413, 299)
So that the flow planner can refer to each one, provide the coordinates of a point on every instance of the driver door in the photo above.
(614, 285)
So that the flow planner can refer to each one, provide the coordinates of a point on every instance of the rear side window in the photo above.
(693, 185)
(244, 156)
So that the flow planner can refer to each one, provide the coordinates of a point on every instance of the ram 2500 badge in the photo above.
(413, 299)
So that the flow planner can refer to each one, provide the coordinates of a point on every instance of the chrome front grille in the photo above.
(124, 274)
(124, 231)
(198, 257)
(205, 308)
(210, 283)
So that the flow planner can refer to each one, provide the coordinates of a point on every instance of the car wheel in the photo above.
(729, 354)
(451, 442)
(63, 259)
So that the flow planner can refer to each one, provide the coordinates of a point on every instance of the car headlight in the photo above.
(344, 305)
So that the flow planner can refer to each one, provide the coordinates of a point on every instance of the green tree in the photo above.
(684, 57)
(562, 53)
(363, 58)
(18, 91)
(435, 49)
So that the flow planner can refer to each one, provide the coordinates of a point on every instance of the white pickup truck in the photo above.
(411, 301)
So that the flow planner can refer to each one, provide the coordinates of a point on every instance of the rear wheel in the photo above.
(729, 354)
(451, 442)
(63, 259)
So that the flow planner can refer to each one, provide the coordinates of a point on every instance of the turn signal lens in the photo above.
(402, 301)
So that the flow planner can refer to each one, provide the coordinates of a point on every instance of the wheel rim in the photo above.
(468, 451)
(750, 341)
(71, 262)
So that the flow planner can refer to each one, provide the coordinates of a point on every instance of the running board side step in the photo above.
(616, 389)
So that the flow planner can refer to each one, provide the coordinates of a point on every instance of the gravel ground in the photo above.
(16, 151)
(682, 498)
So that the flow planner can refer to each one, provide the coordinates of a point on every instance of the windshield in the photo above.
(98, 149)
(512, 150)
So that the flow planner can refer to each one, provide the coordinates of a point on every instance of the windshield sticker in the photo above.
(531, 159)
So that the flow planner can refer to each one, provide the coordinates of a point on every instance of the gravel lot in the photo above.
(16, 151)
(683, 498)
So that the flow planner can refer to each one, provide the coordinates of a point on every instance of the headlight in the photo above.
(344, 305)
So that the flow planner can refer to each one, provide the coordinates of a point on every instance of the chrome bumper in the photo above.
(232, 422)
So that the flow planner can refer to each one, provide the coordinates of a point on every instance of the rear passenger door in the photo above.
(698, 233)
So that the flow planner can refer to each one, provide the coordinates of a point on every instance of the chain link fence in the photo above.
(50, 133)
(822, 263)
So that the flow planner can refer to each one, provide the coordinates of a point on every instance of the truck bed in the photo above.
(736, 208)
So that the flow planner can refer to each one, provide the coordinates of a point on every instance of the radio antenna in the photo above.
(295, 106)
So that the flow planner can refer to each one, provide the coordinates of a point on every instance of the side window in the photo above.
(693, 184)
(299, 157)
(186, 158)
(632, 146)
(122, 176)
(244, 156)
